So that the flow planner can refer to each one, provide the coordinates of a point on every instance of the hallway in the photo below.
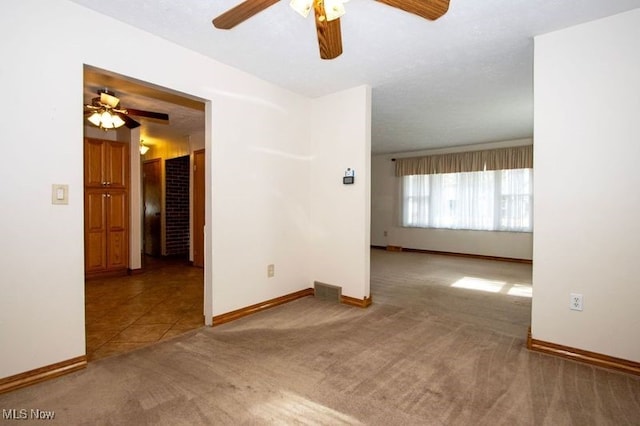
(129, 312)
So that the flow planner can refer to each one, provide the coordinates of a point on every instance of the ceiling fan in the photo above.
(104, 111)
(327, 17)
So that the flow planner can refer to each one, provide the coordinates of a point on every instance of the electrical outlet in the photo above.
(271, 270)
(575, 302)
(385, 233)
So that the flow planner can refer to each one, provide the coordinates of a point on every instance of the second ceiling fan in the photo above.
(106, 113)
(327, 16)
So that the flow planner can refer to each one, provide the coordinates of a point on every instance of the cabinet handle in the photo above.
(104, 183)
(108, 183)
(108, 195)
(104, 195)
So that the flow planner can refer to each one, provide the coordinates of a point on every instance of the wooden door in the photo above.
(116, 165)
(198, 208)
(152, 208)
(95, 236)
(106, 207)
(94, 163)
(117, 220)
(106, 164)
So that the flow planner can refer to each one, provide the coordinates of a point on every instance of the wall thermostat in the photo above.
(349, 176)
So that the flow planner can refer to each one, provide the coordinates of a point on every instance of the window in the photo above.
(499, 200)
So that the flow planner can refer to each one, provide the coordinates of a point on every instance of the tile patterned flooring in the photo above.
(125, 313)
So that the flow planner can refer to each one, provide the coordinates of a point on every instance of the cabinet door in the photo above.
(95, 245)
(94, 163)
(117, 224)
(117, 165)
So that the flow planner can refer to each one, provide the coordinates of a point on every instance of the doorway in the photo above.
(166, 296)
(152, 207)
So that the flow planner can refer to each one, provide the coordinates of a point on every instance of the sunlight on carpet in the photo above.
(490, 286)
(288, 408)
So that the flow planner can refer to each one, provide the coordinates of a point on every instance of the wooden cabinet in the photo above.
(106, 206)
(106, 164)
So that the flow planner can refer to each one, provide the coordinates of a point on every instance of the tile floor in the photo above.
(125, 313)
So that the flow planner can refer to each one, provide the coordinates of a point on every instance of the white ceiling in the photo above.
(463, 79)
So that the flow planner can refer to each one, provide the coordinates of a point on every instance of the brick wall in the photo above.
(177, 206)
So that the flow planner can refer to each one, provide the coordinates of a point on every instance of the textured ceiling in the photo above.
(465, 78)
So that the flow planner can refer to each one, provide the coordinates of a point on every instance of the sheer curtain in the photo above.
(415, 207)
(463, 200)
(516, 200)
(488, 200)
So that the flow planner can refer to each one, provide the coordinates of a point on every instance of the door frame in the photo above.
(143, 207)
(197, 193)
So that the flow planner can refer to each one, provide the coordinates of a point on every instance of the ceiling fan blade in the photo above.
(241, 13)
(109, 99)
(128, 121)
(149, 114)
(329, 35)
(428, 9)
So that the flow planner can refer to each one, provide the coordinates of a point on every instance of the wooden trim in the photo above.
(448, 253)
(360, 303)
(239, 313)
(379, 247)
(41, 374)
(580, 355)
(136, 271)
(107, 274)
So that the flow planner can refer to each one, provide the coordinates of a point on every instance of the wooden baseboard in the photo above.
(41, 374)
(449, 253)
(106, 274)
(360, 303)
(588, 357)
(239, 313)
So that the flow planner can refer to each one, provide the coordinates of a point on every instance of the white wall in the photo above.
(386, 212)
(258, 159)
(341, 137)
(587, 201)
(260, 202)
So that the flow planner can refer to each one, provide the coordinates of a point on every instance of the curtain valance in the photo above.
(520, 157)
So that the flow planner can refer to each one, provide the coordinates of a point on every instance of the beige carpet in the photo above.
(427, 352)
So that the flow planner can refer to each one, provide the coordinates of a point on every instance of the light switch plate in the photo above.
(59, 194)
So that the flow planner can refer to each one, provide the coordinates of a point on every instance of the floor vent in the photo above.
(327, 291)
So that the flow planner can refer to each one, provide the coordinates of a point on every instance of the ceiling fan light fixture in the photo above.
(303, 7)
(108, 98)
(95, 118)
(106, 121)
(117, 121)
(104, 112)
(334, 9)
